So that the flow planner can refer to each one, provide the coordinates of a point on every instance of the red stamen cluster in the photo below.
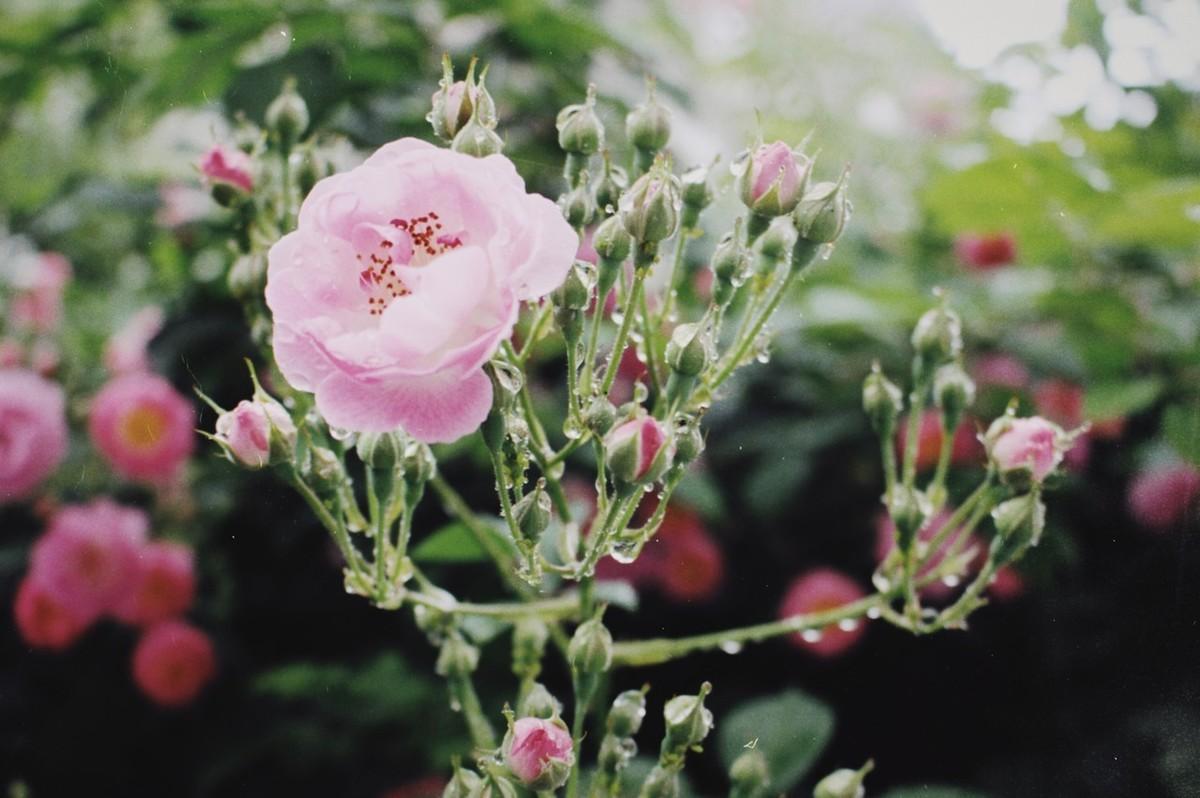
(379, 278)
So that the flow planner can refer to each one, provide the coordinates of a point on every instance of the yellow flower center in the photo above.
(143, 427)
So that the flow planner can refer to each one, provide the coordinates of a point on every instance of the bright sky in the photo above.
(977, 31)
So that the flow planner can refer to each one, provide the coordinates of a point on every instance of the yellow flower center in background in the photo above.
(143, 427)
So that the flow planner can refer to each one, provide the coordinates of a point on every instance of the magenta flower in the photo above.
(143, 427)
(1159, 498)
(37, 303)
(43, 620)
(172, 663)
(88, 557)
(33, 431)
(126, 350)
(1032, 444)
(986, 251)
(816, 591)
(163, 587)
(402, 279)
(538, 744)
(246, 430)
(230, 167)
(639, 450)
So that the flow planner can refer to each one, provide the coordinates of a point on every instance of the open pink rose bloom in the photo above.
(402, 278)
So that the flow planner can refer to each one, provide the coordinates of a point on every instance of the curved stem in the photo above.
(614, 358)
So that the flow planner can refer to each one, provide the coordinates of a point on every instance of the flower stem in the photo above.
(631, 304)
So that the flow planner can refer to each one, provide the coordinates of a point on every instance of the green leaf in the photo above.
(791, 729)
(1117, 399)
(455, 543)
(1181, 427)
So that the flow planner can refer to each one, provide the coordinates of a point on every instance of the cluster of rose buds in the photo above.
(97, 561)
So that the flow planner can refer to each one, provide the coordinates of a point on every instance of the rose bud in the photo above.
(843, 783)
(687, 720)
(532, 513)
(882, 401)
(639, 451)
(1030, 446)
(255, 432)
(608, 188)
(627, 712)
(953, 392)
(822, 214)
(648, 125)
(650, 208)
(772, 178)
(579, 129)
(540, 753)
(540, 703)
(938, 336)
(1019, 524)
(287, 116)
(749, 775)
(229, 173)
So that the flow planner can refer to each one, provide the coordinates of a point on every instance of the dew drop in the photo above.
(951, 580)
(848, 624)
(731, 646)
(874, 613)
(811, 635)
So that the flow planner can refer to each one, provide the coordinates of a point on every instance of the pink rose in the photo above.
(172, 663)
(537, 744)
(1159, 498)
(819, 590)
(1026, 443)
(987, 251)
(88, 557)
(230, 167)
(639, 450)
(246, 431)
(33, 431)
(401, 280)
(774, 167)
(163, 586)
(143, 427)
(126, 350)
(43, 620)
(37, 304)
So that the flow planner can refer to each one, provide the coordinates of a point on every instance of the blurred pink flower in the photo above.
(985, 251)
(11, 353)
(172, 662)
(33, 431)
(428, 787)
(535, 743)
(1007, 584)
(126, 350)
(37, 303)
(1160, 497)
(163, 586)
(818, 590)
(885, 542)
(88, 557)
(966, 449)
(683, 560)
(43, 620)
(401, 280)
(229, 166)
(143, 427)
(1000, 371)
(1030, 443)
(180, 204)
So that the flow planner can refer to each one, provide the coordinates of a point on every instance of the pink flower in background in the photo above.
(88, 557)
(1059, 401)
(181, 203)
(11, 353)
(965, 451)
(143, 427)
(172, 663)
(33, 431)
(630, 371)
(1007, 584)
(683, 560)
(228, 166)
(44, 358)
(402, 279)
(536, 742)
(43, 620)
(816, 591)
(163, 586)
(1000, 371)
(1030, 443)
(986, 251)
(428, 787)
(37, 303)
(1160, 497)
(885, 542)
(126, 350)
(587, 252)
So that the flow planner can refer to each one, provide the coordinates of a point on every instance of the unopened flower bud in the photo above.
(532, 512)
(325, 468)
(1026, 449)
(229, 174)
(612, 241)
(648, 125)
(748, 775)
(287, 116)
(776, 244)
(257, 432)
(578, 206)
(639, 451)
(650, 208)
(909, 509)
(457, 657)
(937, 338)
(1019, 525)
(608, 188)
(822, 214)
(660, 782)
(697, 191)
(615, 753)
(953, 392)
(689, 441)
(452, 108)
(599, 415)
(882, 402)
(540, 753)
(771, 178)
(576, 289)
(579, 129)
(312, 168)
(590, 651)
(540, 703)
(627, 713)
(688, 721)
(688, 350)
(475, 138)
(464, 784)
(380, 450)
(528, 646)
(417, 462)
(843, 783)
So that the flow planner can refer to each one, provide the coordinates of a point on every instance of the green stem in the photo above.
(565, 606)
(685, 233)
(535, 330)
(658, 650)
(482, 735)
(630, 308)
(916, 409)
(379, 531)
(650, 335)
(589, 356)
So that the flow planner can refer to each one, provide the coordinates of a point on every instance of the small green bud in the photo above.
(689, 441)
(909, 509)
(417, 462)
(843, 783)
(776, 244)
(882, 402)
(612, 241)
(697, 191)
(1019, 525)
(688, 721)
(608, 188)
(648, 125)
(493, 430)
(579, 129)
(748, 775)
(457, 657)
(576, 290)
(599, 415)
(661, 782)
(325, 468)
(248, 276)
(287, 116)
(528, 646)
(464, 784)
(937, 338)
(578, 206)
(532, 512)
(627, 713)
(650, 208)
(953, 392)
(540, 703)
(590, 650)
(477, 139)
(822, 214)
(380, 450)
(615, 753)
(311, 170)
(688, 351)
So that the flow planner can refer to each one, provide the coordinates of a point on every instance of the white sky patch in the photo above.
(976, 32)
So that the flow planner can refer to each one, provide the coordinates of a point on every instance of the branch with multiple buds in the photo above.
(388, 329)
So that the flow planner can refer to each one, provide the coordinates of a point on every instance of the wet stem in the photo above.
(632, 302)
